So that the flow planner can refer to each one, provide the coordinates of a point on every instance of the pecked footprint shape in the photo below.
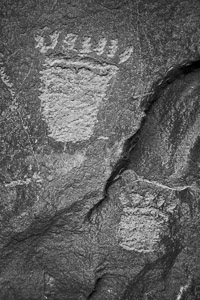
(71, 94)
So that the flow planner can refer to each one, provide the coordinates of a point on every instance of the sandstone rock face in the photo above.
(99, 152)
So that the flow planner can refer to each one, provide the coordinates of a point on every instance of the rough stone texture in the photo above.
(99, 151)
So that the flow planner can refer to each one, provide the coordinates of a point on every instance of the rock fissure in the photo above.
(148, 103)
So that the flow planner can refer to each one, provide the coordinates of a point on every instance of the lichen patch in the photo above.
(71, 93)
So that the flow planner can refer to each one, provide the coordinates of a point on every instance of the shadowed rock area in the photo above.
(99, 150)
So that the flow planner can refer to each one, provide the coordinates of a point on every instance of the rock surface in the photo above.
(99, 152)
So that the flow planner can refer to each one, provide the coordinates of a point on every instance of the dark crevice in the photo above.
(94, 291)
(157, 89)
(161, 266)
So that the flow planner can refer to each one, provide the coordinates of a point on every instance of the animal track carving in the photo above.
(75, 84)
(72, 92)
(83, 46)
(41, 44)
(108, 48)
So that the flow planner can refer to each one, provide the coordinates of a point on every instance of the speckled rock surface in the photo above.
(99, 150)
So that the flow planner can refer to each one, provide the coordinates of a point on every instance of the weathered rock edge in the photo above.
(158, 87)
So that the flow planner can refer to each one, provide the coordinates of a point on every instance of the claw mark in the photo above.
(113, 48)
(72, 92)
(125, 55)
(86, 47)
(69, 42)
(73, 89)
(101, 46)
(40, 42)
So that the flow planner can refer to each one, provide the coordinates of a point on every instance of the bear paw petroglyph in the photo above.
(40, 42)
(110, 49)
(74, 84)
(72, 92)
(84, 46)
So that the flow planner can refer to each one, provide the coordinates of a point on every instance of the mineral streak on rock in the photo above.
(71, 93)
(184, 289)
(6, 80)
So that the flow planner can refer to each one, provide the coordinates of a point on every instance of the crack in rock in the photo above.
(140, 228)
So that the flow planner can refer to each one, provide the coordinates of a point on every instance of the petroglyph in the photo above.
(71, 94)
(69, 42)
(141, 223)
(145, 215)
(101, 46)
(41, 42)
(124, 56)
(113, 48)
(108, 48)
(74, 83)
(86, 46)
